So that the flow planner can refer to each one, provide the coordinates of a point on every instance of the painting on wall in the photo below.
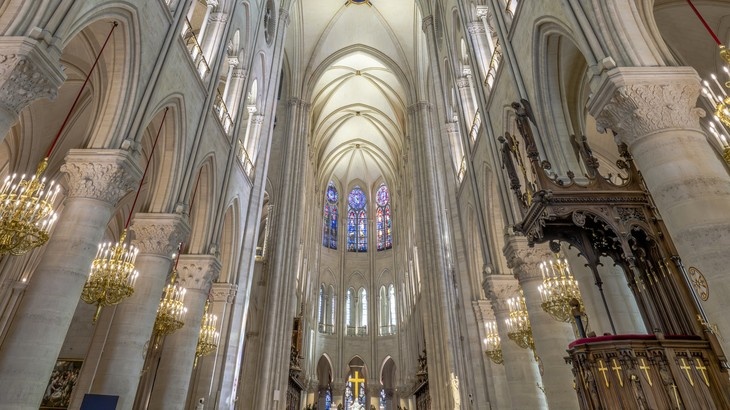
(61, 385)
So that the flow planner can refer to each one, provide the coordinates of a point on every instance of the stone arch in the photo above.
(561, 68)
(166, 171)
(229, 242)
(118, 70)
(202, 205)
(98, 112)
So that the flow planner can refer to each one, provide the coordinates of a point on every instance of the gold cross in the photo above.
(646, 368)
(616, 367)
(699, 366)
(676, 396)
(356, 381)
(687, 369)
(603, 369)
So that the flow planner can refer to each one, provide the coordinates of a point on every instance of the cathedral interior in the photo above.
(364, 204)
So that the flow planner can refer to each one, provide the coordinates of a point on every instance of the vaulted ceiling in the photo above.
(355, 62)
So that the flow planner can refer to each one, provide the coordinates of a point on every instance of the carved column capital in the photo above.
(159, 234)
(450, 127)
(482, 11)
(638, 101)
(198, 271)
(28, 71)
(463, 82)
(525, 260)
(499, 288)
(102, 174)
(257, 119)
(239, 72)
(476, 27)
(223, 292)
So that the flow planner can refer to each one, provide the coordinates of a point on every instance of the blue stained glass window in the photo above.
(329, 229)
(383, 223)
(357, 221)
(328, 399)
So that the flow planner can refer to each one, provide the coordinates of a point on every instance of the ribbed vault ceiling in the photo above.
(356, 59)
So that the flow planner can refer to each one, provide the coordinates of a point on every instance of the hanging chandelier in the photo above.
(209, 336)
(112, 274)
(27, 203)
(26, 211)
(519, 329)
(171, 311)
(493, 344)
(717, 93)
(558, 289)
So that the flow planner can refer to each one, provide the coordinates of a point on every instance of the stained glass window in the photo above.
(357, 221)
(350, 392)
(329, 228)
(383, 224)
(328, 399)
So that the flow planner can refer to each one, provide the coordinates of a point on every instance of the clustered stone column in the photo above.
(652, 110)
(551, 336)
(97, 180)
(207, 373)
(519, 365)
(170, 391)
(157, 236)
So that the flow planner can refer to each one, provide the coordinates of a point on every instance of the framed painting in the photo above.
(61, 385)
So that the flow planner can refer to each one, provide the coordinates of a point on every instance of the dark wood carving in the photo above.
(614, 216)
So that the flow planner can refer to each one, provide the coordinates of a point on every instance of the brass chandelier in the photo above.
(112, 274)
(558, 289)
(717, 93)
(27, 203)
(171, 311)
(518, 323)
(493, 344)
(209, 336)
(26, 211)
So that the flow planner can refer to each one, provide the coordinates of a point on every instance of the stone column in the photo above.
(551, 336)
(496, 380)
(206, 376)
(652, 110)
(338, 394)
(519, 365)
(29, 70)
(157, 237)
(373, 393)
(97, 180)
(170, 391)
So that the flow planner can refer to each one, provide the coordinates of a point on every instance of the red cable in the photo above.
(704, 23)
(78, 96)
(149, 160)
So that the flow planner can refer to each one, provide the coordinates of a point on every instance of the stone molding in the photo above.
(102, 174)
(483, 310)
(638, 101)
(499, 288)
(159, 234)
(198, 271)
(419, 106)
(525, 260)
(223, 292)
(28, 71)
(426, 22)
